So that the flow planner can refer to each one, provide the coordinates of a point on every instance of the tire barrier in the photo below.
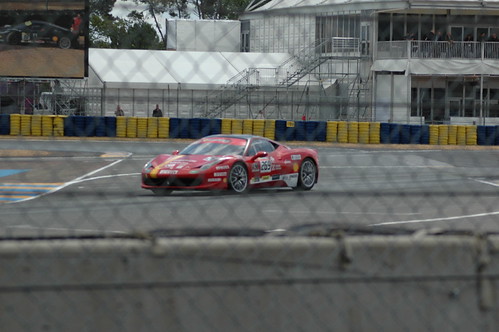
(163, 127)
(36, 125)
(461, 135)
(131, 127)
(237, 126)
(4, 124)
(48, 125)
(332, 131)
(443, 135)
(384, 133)
(390, 133)
(195, 129)
(299, 134)
(121, 122)
(374, 132)
(152, 128)
(226, 126)
(269, 129)
(434, 132)
(179, 128)
(284, 130)
(281, 130)
(487, 135)
(248, 126)
(210, 127)
(58, 124)
(342, 132)
(405, 134)
(141, 127)
(25, 125)
(417, 134)
(15, 124)
(471, 137)
(315, 131)
(364, 132)
(395, 133)
(259, 127)
(353, 132)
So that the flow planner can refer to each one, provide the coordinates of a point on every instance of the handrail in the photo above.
(418, 49)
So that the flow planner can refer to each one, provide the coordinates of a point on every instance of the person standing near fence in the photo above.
(428, 47)
(450, 45)
(157, 113)
(119, 111)
(468, 46)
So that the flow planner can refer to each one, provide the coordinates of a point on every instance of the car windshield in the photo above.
(213, 149)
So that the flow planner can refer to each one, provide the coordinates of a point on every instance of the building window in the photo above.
(346, 27)
(384, 27)
(245, 36)
(429, 103)
(491, 103)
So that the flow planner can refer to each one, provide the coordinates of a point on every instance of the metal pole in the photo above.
(482, 119)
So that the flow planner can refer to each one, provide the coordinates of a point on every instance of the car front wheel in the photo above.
(238, 178)
(307, 175)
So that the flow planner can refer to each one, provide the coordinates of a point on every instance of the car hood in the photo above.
(187, 162)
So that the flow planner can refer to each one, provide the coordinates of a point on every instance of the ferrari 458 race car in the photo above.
(37, 32)
(233, 162)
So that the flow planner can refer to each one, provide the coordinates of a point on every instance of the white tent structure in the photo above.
(181, 82)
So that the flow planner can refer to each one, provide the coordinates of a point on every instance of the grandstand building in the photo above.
(397, 61)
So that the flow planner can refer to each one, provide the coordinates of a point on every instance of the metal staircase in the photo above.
(236, 89)
(358, 100)
(248, 80)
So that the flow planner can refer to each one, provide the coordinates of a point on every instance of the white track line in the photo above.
(487, 182)
(104, 177)
(478, 215)
(60, 229)
(77, 180)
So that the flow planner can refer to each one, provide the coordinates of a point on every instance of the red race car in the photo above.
(234, 162)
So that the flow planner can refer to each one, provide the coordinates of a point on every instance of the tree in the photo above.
(204, 9)
(102, 7)
(156, 8)
(219, 9)
(107, 31)
(129, 33)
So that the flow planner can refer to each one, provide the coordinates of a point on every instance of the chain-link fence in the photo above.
(343, 180)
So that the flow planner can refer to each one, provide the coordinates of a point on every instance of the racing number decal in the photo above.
(265, 166)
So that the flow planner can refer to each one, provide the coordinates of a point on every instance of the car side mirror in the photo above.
(259, 154)
(175, 152)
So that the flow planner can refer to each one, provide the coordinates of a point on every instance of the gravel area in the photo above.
(38, 61)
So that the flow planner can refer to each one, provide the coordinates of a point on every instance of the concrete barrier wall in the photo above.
(282, 130)
(355, 283)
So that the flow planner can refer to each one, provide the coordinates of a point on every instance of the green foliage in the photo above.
(219, 9)
(101, 7)
(107, 31)
(129, 33)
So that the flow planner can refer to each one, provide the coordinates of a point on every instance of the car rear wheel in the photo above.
(162, 191)
(238, 178)
(64, 42)
(307, 175)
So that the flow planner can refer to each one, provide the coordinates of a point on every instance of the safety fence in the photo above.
(282, 130)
